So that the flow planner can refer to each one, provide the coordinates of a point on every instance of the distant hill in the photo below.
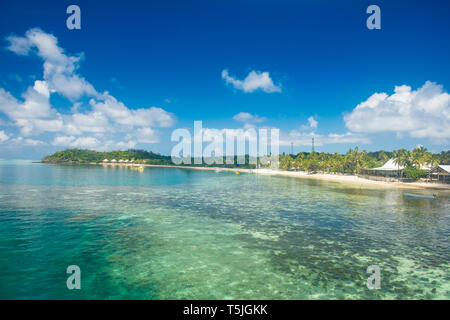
(79, 156)
(84, 156)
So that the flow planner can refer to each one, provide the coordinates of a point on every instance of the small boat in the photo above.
(418, 196)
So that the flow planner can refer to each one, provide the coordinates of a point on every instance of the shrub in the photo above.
(414, 173)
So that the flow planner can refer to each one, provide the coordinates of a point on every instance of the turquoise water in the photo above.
(185, 234)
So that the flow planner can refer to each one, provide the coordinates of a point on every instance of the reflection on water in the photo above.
(185, 234)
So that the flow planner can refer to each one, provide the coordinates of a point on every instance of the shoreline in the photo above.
(352, 179)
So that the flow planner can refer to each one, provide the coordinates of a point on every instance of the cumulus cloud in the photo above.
(421, 113)
(255, 80)
(28, 142)
(312, 124)
(305, 139)
(147, 135)
(3, 136)
(122, 145)
(248, 118)
(81, 142)
(120, 114)
(34, 143)
(59, 68)
(34, 114)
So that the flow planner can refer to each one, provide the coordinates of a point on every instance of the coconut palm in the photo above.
(401, 158)
(418, 156)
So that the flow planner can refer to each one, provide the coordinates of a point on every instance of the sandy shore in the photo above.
(351, 179)
(355, 180)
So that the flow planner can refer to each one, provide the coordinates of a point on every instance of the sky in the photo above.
(138, 70)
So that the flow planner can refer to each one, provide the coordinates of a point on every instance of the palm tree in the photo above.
(418, 156)
(434, 160)
(383, 156)
(401, 158)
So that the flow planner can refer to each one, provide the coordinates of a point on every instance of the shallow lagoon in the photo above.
(186, 234)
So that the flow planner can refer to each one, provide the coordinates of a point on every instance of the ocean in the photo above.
(168, 233)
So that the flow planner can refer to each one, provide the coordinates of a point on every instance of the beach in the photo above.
(340, 178)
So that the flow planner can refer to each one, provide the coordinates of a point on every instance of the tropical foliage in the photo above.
(351, 162)
(355, 160)
(83, 156)
(89, 156)
(414, 173)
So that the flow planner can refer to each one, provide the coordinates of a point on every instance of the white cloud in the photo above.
(79, 123)
(34, 143)
(120, 114)
(255, 80)
(305, 139)
(35, 105)
(34, 114)
(59, 69)
(421, 113)
(81, 142)
(248, 117)
(3, 136)
(27, 142)
(147, 135)
(124, 145)
(348, 137)
(312, 124)
(18, 45)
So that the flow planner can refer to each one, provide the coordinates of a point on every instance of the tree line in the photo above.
(352, 162)
(80, 156)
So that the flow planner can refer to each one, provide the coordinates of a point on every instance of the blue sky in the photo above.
(164, 62)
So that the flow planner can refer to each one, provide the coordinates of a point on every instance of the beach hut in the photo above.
(440, 173)
(105, 160)
(120, 160)
(389, 169)
(113, 160)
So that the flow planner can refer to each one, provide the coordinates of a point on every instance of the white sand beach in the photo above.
(351, 179)
(354, 179)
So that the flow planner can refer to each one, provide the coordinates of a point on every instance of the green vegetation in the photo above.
(79, 156)
(354, 160)
(83, 156)
(414, 173)
(350, 163)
